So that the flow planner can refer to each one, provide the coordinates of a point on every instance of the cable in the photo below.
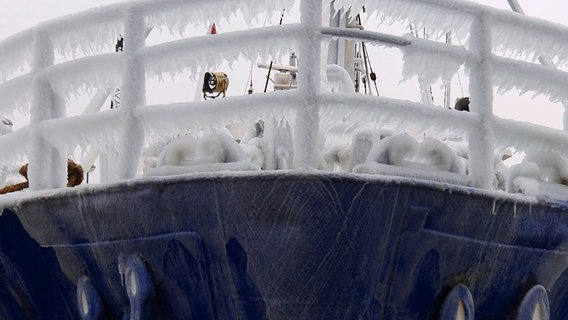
(271, 62)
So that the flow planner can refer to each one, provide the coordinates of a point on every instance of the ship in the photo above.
(189, 221)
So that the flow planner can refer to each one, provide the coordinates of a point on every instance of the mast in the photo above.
(352, 55)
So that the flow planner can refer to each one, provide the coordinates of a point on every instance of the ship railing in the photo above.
(49, 135)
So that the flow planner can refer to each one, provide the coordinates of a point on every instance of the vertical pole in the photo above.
(448, 86)
(515, 6)
(133, 93)
(425, 91)
(481, 137)
(306, 133)
(47, 166)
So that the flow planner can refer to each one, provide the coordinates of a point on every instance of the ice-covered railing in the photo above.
(43, 89)
(50, 134)
(498, 43)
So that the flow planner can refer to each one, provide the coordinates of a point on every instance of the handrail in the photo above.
(197, 50)
(308, 105)
(173, 15)
(377, 37)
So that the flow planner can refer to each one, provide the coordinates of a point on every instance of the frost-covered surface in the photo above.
(219, 147)
(78, 76)
(14, 199)
(513, 34)
(87, 33)
(423, 57)
(542, 173)
(526, 136)
(338, 80)
(13, 142)
(511, 74)
(175, 14)
(15, 94)
(202, 167)
(197, 53)
(298, 120)
(93, 129)
(15, 52)
(164, 120)
(390, 170)
(381, 111)
(405, 152)
(438, 19)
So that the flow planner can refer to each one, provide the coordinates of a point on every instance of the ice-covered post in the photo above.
(47, 166)
(133, 93)
(481, 137)
(306, 133)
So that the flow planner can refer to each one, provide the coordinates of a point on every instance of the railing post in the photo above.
(481, 136)
(306, 133)
(47, 166)
(133, 93)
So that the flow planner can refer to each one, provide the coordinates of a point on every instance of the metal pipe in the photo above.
(515, 6)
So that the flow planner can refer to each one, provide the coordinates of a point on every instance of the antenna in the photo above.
(515, 6)
(271, 62)
(249, 89)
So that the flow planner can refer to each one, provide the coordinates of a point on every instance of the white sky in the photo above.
(18, 15)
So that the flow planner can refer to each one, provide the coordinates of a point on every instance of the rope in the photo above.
(368, 66)
(74, 177)
(14, 187)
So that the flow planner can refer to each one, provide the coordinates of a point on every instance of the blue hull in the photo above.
(278, 246)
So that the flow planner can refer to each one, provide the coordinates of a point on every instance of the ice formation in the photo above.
(393, 150)
(539, 166)
(499, 50)
(403, 150)
(177, 152)
(187, 150)
(87, 33)
(338, 80)
(255, 151)
(541, 174)
(363, 141)
(338, 155)
(513, 34)
(439, 156)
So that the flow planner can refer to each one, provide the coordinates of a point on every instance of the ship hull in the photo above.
(279, 246)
